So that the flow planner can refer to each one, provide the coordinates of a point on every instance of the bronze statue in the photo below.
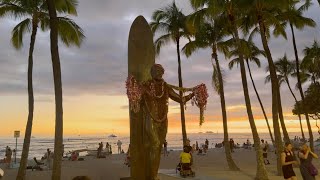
(155, 105)
(148, 96)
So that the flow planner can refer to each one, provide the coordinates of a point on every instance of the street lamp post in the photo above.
(16, 135)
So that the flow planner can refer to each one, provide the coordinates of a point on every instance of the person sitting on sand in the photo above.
(193, 148)
(204, 149)
(127, 160)
(74, 156)
(201, 151)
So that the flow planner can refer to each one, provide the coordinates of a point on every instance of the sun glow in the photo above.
(93, 114)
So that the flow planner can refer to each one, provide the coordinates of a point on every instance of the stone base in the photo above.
(125, 178)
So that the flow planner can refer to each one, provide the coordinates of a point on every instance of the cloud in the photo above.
(99, 67)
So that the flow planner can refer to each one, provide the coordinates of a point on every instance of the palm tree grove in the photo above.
(215, 89)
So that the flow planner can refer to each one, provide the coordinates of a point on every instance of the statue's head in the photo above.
(157, 72)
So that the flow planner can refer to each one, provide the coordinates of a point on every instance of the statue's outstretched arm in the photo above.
(176, 97)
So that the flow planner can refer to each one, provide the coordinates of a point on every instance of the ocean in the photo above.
(39, 145)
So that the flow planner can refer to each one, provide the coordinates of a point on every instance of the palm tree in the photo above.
(210, 34)
(251, 53)
(261, 13)
(56, 172)
(294, 17)
(228, 9)
(284, 69)
(311, 61)
(37, 13)
(172, 22)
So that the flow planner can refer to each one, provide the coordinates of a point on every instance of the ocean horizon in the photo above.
(39, 144)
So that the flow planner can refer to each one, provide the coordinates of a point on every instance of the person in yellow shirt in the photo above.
(185, 160)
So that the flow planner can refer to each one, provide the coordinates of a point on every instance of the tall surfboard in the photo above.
(141, 57)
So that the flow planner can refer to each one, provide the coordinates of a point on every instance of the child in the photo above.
(185, 160)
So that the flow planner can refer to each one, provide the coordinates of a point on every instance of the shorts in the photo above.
(186, 166)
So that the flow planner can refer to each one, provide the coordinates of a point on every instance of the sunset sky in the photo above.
(93, 76)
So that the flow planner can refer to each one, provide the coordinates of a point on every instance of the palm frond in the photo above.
(233, 62)
(11, 9)
(67, 6)
(162, 40)
(255, 31)
(69, 32)
(18, 32)
(159, 26)
(267, 79)
(191, 47)
(257, 61)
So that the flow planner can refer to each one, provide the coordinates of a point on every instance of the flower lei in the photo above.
(200, 99)
(134, 93)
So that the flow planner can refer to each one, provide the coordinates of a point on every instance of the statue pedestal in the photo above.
(125, 178)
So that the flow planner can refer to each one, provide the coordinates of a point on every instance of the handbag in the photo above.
(313, 170)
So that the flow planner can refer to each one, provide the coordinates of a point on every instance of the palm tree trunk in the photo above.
(56, 172)
(261, 105)
(287, 81)
(27, 136)
(274, 88)
(300, 87)
(183, 120)
(261, 173)
(232, 165)
(283, 125)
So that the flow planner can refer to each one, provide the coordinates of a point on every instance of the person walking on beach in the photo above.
(197, 146)
(100, 150)
(287, 159)
(307, 169)
(231, 145)
(8, 156)
(264, 148)
(119, 143)
(107, 148)
(49, 156)
(165, 150)
(207, 144)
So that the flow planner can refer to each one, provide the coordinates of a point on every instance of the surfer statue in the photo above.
(154, 99)
(148, 95)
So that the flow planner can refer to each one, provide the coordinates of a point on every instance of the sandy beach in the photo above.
(211, 166)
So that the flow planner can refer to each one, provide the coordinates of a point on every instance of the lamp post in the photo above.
(16, 135)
